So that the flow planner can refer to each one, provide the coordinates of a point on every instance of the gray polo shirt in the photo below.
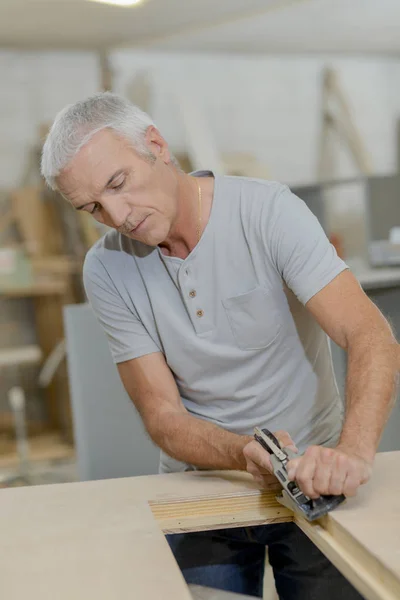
(230, 318)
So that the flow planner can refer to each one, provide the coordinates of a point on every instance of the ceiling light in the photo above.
(119, 2)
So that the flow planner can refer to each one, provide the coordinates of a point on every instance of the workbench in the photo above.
(104, 539)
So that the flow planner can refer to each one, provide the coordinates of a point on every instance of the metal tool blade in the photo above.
(272, 447)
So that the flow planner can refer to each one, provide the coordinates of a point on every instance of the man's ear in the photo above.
(157, 144)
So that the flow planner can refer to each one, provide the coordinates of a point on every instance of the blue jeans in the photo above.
(233, 560)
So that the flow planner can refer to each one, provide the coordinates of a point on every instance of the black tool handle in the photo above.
(271, 437)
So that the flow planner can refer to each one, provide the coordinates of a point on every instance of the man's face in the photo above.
(121, 189)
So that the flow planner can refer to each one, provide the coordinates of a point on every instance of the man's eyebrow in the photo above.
(105, 187)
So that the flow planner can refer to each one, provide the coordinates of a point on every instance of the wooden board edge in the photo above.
(371, 578)
(221, 512)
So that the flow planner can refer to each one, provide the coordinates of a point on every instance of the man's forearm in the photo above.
(371, 388)
(199, 442)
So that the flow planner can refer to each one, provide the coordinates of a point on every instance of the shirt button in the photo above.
(200, 313)
(192, 293)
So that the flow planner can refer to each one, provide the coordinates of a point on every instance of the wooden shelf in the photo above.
(45, 447)
(40, 287)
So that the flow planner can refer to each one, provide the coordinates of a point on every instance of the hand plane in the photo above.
(292, 497)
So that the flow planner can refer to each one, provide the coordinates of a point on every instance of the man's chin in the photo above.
(148, 240)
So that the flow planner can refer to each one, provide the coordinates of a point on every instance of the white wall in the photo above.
(270, 106)
(34, 86)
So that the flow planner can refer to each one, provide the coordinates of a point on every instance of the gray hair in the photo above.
(76, 124)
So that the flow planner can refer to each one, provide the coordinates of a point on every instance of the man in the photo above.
(217, 295)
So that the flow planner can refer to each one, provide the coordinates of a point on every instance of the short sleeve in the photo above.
(126, 334)
(299, 247)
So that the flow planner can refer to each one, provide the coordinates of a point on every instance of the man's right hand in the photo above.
(258, 462)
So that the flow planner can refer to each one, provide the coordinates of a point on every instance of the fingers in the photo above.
(302, 470)
(358, 473)
(338, 476)
(354, 478)
(285, 440)
(260, 458)
(351, 485)
(257, 458)
(258, 462)
(323, 471)
(320, 471)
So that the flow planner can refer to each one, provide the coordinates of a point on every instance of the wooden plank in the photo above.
(369, 576)
(338, 122)
(7, 431)
(50, 331)
(55, 266)
(83, 541)
(90, 233)
(199, 485)
(6, 221)
(36, 221)
(362, 538)
(30, 354)
(44, 447)
(99, 539)
(219, 513)
(39, 287)
(49, 298)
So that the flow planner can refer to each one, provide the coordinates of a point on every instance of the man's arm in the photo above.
(151, 386)
(348, 316)
(356, 325)
(309, 266)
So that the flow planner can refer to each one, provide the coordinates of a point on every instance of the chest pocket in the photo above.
(254, 319)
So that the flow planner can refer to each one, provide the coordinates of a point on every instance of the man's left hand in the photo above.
(323, 470)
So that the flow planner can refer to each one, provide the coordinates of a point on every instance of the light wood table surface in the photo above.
(104, 539)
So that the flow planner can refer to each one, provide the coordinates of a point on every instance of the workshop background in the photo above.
(306, 92)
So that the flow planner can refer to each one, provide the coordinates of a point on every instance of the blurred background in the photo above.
(306, 92)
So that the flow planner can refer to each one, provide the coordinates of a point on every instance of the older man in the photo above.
(218, 295)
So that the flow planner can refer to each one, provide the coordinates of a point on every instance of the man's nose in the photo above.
(118, 213)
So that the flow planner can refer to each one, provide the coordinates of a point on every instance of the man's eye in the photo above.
(119, 186)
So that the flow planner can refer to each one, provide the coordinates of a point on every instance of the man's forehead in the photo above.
(92, 163)
(78, 182)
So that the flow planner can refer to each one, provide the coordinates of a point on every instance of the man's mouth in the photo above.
(134, 229)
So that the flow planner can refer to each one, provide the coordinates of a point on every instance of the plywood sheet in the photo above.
(373, 517)
(100, 539)
(83, 541)
(362, 537)
(219, 512)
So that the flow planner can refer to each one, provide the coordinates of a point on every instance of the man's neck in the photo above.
(184, 235)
